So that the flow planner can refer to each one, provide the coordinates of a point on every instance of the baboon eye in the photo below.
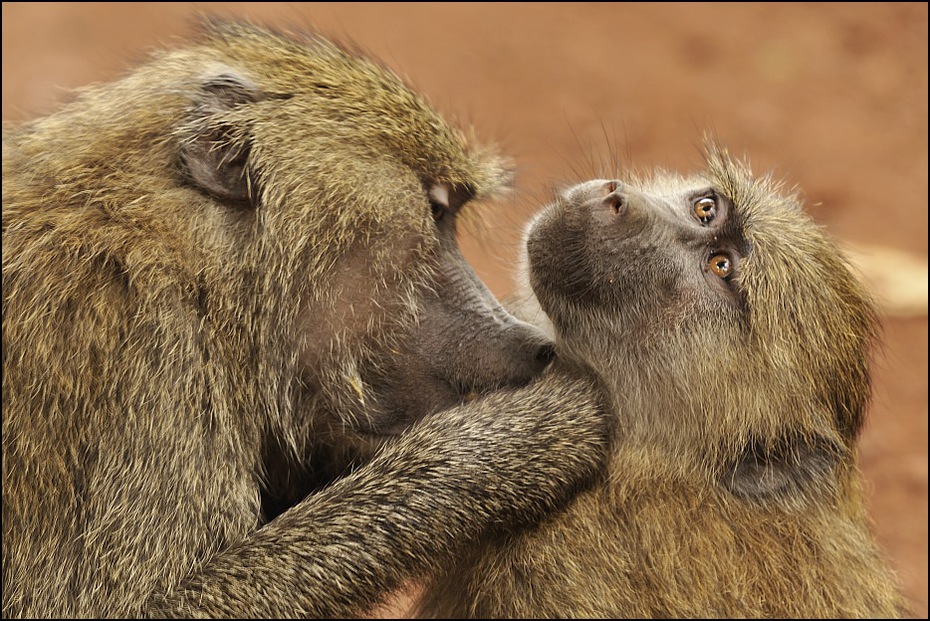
(438, 195)
(721, 265)
(438, 211)
(705, 209)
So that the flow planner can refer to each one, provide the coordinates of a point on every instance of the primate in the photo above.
(240, 344)
(733, 343)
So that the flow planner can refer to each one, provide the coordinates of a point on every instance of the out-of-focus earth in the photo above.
(832, 97)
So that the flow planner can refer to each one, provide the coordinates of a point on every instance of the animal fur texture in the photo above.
(733, 342)
(239, 342)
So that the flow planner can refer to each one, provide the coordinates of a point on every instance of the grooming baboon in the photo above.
(733, 342)
(228, 280)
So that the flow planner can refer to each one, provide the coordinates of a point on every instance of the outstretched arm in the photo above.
(506, 458)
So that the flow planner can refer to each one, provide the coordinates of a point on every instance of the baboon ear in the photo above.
(782, 468)
(215, 145)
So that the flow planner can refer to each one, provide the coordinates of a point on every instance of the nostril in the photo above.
(545, 354)
(616, 201)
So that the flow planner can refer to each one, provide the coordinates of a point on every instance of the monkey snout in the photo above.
(530, 352)
(513, 357)
(600, 193)
(614, 196)
(616, 201)
(593, 190)
(545, 354)
(613, 186)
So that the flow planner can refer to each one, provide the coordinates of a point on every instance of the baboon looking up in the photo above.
(233, 308)
(734, 344)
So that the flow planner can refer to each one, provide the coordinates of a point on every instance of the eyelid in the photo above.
(438, 193)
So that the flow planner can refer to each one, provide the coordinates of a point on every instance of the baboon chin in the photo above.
(733, 343)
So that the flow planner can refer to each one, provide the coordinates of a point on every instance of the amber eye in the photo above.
(721, 265)
(705, 209)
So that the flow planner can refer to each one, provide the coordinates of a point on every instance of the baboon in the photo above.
(733, 343)
(247, 372)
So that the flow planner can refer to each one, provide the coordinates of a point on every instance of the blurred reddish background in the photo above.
(832, 97)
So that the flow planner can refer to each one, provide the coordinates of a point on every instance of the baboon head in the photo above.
(725, 322)
(347, 187)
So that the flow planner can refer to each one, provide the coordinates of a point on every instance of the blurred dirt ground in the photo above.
(832, 97)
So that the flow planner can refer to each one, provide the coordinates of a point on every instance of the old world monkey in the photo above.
(734, 345)
(233, 306)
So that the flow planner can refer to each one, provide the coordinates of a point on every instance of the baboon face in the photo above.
(354, 185)
(458, 343)
(618, 244)
(719, 314)
(643, 264)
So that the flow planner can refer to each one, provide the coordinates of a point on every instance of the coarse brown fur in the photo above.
(233, 310)
(738, 396)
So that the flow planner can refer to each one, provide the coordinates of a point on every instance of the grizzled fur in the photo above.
(739, 386)
(230, 279)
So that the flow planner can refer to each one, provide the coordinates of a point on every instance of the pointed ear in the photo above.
(215, 145)
(782, 468)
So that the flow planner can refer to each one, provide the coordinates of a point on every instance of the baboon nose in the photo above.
(616, 200)
(612, 186)
(545, 354)
(535, 361)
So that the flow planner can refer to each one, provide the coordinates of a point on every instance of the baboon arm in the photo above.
(408, 510)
